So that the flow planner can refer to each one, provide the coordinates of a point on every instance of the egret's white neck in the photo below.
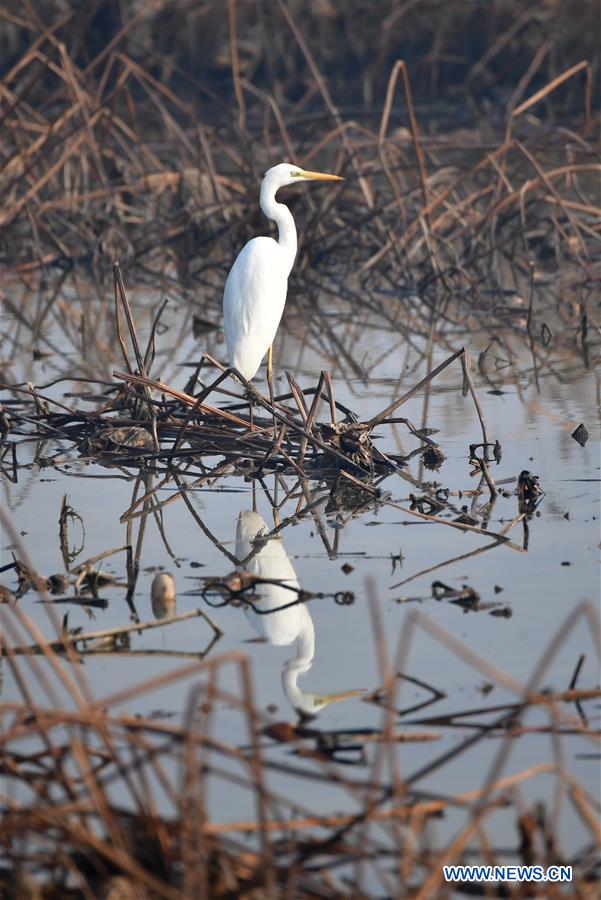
(282, 216)
(294, 668)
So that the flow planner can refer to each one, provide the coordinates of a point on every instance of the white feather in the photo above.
(253, 303)
(255, 290)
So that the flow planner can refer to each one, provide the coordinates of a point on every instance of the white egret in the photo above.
(255, 290)
(282, 626)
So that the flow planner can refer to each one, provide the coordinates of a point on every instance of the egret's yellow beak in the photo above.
(319, 176)
(324, 699)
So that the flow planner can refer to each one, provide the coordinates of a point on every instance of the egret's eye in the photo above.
(296, 174)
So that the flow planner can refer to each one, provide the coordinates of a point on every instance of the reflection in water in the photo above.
(162, 595)
(277, 624)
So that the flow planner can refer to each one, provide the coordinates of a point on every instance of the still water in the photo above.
(298, 657)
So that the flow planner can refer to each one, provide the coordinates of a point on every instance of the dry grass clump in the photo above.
(138, 132)
(98, 800)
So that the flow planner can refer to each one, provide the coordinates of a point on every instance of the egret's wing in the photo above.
(271, 560)
(253, 303)
(250, 526)
(280, 626)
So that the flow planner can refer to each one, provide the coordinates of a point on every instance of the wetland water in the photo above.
(524, 596)
(381, 654)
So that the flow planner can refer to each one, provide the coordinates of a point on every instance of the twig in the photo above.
(116, 632)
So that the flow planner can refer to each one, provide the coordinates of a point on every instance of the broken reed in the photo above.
(92, 185)
(164, 432)
(84, 748)
(62, 761)
(149, 422)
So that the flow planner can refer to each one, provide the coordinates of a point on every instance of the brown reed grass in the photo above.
(64, 831)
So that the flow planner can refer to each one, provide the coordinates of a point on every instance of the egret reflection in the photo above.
(274, 618)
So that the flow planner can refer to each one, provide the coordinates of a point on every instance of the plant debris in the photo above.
(580, 435)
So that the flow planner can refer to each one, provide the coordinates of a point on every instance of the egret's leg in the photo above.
(270, 384)
(270, 370)
(276, 509)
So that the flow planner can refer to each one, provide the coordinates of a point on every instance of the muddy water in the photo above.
(526, 596)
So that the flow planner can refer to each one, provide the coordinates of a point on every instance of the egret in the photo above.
(255, 290)
(270, 618)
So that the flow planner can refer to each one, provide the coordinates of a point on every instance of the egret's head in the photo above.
(287, 173)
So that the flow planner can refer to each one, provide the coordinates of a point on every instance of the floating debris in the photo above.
(580, 435)
(350, 439)
(162, 596)
(58, 584)
(529, 492)
(114, 439)
(466, 596)
(433, 458)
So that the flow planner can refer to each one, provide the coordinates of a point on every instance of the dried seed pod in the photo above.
(162, 595)
(433, 457)
(350, 438)
(529, 492)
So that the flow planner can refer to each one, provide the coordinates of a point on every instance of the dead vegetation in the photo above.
(100, 799)
(68, 753)
(172, 437)
(138, 132)
(110, 152)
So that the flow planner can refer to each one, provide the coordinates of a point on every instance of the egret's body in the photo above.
(256, 287)
(280, 625)
(253, 303)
